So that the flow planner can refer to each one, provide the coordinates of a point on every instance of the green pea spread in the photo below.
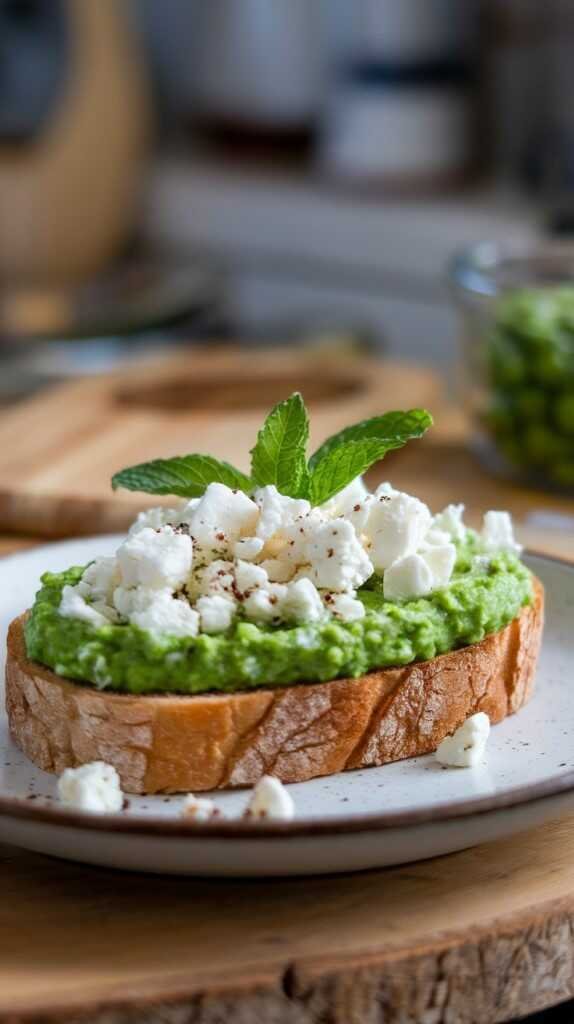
(483, 596)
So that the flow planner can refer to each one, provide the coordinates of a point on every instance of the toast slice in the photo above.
(177, 743)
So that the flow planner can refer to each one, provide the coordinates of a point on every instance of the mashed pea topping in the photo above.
(484, 593)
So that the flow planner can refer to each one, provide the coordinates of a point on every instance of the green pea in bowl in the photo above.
(518, 368)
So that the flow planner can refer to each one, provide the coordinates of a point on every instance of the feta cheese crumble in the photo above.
(100, 579)
(497, 533)
(155, 558)
(199, 808)
(248, 548)
(274, 560)
(221, 517)
(408, 577)
(346, 500)
(74, 606)
(264, 605)
(155, 518)
(440, 559)
(167, 614)
(395, 528)
(466, 747)
(450, 521)
(345, 607)
(337, 559)
(216, 613)
(93, 787)
(277, 512)
(302, 602)
(270, 799)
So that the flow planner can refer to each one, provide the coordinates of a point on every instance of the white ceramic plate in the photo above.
(375, 817)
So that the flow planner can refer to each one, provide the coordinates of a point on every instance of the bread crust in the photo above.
(176, 743)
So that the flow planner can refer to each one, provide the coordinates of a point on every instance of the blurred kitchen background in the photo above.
(249, 174)
(243, 169)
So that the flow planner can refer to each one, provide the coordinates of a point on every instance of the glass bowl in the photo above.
(517, 375)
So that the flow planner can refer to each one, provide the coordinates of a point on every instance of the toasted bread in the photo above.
(176, 743)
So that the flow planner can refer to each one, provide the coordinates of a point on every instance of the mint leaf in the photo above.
(394, 428)
(342, 464)
(184, 475)
(280, 454)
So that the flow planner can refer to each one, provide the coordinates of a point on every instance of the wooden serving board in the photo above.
(477, 937)
(59, 450)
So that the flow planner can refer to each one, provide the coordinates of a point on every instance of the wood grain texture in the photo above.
(165, 743)
(480, 936)
(59, 450)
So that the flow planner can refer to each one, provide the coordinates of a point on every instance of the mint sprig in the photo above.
(280, 454)
(279, 457)
(184, 475)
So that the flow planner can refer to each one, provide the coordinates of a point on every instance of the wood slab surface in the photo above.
(480, 936)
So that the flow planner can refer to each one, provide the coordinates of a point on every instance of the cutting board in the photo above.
(59, 450)
(481, 936)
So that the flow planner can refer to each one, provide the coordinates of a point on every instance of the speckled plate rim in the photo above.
(178, 828)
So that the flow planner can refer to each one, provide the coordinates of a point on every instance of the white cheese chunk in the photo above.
(395, 528)
(408, 577)
(466, 747)
(199, 808)
(155, 558)
(155, 518)
(167, 616)
(74, 606)
(100, 579)
(270, 799)
(435, 538)
(440, 559)
(92, 787)
(277, 511)
(216, 613)
(359, 514)
(216, 578)
(497, 533)
(265, 604)
(128, 600)
(450, 521)
(337, 560)
(221, 517)
(302, 603)
(248, 577)
(352, 503)
(295, 551)
(342, 503)
(345, 607)
(290, 547)
(248, 548)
